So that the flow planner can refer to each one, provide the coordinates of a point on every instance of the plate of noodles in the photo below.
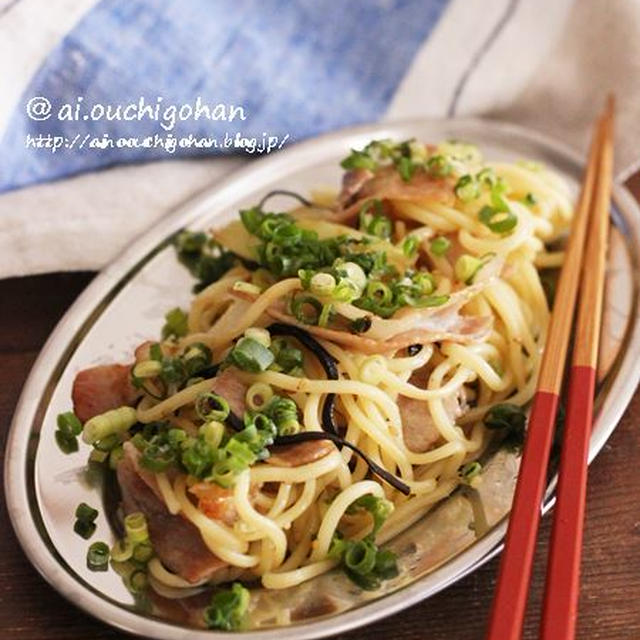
(297, 404)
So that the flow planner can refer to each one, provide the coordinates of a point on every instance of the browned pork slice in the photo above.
(352, 182)
(418, 426)
(295, 455)
(228, 385)
(175, 540)
(451, 326)
(387, 184)
(410, 325)
(99, 389)
(102, 388)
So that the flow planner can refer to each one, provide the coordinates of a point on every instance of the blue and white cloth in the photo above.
(296, 67)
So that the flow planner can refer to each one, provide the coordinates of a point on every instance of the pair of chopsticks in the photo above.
(563, 573)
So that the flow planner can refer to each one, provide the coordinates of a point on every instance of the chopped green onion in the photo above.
(196, 357)
(211, 406)
(86, 513)
(197, 458)
(359, 160)
(379, 508)
(155, 352)
(346, 291)
(432, 301)
(250, 355)
(425, 282)
(410, 245)
(252, 219)
(259, 335)
(466, 268)
(176, 324)
(354, 273)
(205, 258)
(438, 166)
(509, 417)
(360, 557)
(379, 291)
(363, 562)
(530, 200)
(98, 456)
(258, 396)
(223, 473)
(84, 528)
(467, 188)
(142, 552)
(305, 276)
(173, 370)
(380, 226)
(386, 564)
(176, 437)
(287, 358)
(122, 550)
(123, 569)
(158, 456)
(228, 608)
(322, 284)
(137, 581)
(497, 221)
(98, 557)
(135, 524)
(406, 168)
(440, 245)
(115, 456)
(470, 473)
(66, 442)
(284, 413)
(191, 241)
(505, 416)
(306, 309)
(69, 423)
(212, 433)
(372, 220)
(241, 450)
(241, 453)
(111, 422)
(69, 427)
(147, 369)
(325, 314)
(487, 176)
(107, 444)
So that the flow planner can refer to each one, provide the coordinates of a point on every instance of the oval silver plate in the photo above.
(125, 304)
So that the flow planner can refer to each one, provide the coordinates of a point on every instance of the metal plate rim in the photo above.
(16, 461)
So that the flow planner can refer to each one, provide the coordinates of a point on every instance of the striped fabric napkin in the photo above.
(237, 77)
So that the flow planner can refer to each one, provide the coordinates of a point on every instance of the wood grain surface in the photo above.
(610, 596)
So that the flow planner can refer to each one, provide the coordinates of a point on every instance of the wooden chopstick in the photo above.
(560, 607)
(510, 598)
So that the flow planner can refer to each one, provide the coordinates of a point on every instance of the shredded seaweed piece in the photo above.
(284, 192)
(307, 436)
(326, 360)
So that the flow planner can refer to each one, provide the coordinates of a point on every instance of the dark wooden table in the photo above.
(610, 598)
